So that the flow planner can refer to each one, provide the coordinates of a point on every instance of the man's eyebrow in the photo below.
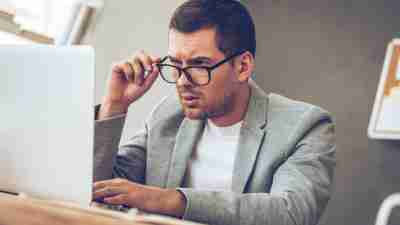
(199, 60)
(193, 61)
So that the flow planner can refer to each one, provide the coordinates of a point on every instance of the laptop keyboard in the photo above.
(118, 208)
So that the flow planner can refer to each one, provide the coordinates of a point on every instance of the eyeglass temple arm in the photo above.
(163, 60)
(227, 59)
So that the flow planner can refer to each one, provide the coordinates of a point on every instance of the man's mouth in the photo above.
(189, 99)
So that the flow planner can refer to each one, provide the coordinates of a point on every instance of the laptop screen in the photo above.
(46, 132)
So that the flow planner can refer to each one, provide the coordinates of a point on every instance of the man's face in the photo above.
(199, 49)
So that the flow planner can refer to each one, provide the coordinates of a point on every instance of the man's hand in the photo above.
(127, 83)
(147, 198)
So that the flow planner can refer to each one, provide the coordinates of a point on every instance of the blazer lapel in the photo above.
(186, 138)
(252, 135)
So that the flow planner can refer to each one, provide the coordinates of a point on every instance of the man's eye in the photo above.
(200, 64)
(175, 63)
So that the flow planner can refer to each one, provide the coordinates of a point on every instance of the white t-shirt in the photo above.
(211, 163)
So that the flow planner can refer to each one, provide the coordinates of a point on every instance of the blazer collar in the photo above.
(257, 109)
(251, 137)
(188, 134)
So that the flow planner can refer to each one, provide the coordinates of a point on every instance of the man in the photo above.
(220, 151)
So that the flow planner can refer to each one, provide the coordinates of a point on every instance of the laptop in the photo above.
(46, 121)
(47, 129)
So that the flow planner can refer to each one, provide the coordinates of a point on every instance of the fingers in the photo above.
(128, 69)
(145, 60)
(116, 68)
(152, 76)
(139, 66)
(100, 184)
(146, 63)
(109, 188)
(139, 71)
(111, 182)
(117, 200)
(155, 59)
(153, 72)
(109, 191)
(142, 69)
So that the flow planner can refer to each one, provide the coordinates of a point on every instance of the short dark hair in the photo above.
(235, 30)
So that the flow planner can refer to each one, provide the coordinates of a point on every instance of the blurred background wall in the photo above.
(330, 53)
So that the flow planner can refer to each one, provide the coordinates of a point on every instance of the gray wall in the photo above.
(330, 53)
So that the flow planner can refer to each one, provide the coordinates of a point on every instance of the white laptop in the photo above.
(47, 128)
(47, 121)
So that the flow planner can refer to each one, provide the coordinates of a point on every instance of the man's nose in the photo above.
(183, 80)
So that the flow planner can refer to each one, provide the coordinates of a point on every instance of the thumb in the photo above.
(155, 59)
(149, 80)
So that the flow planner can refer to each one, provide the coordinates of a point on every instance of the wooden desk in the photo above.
(16, 210)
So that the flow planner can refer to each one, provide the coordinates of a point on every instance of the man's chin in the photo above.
(194, 114)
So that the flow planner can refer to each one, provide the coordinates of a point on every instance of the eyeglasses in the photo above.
(197, 75)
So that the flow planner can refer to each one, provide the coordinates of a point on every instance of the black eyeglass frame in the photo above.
(188, 75)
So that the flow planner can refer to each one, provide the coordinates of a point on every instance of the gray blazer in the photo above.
(282, 172)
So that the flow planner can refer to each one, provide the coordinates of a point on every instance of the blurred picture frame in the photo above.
(385, 117)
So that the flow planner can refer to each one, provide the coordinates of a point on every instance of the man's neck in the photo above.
(239, 109)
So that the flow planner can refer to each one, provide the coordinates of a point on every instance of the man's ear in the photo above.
(245, 66)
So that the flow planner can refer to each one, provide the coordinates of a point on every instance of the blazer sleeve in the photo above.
(128, 160)
(300, 191)
(111, 160)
